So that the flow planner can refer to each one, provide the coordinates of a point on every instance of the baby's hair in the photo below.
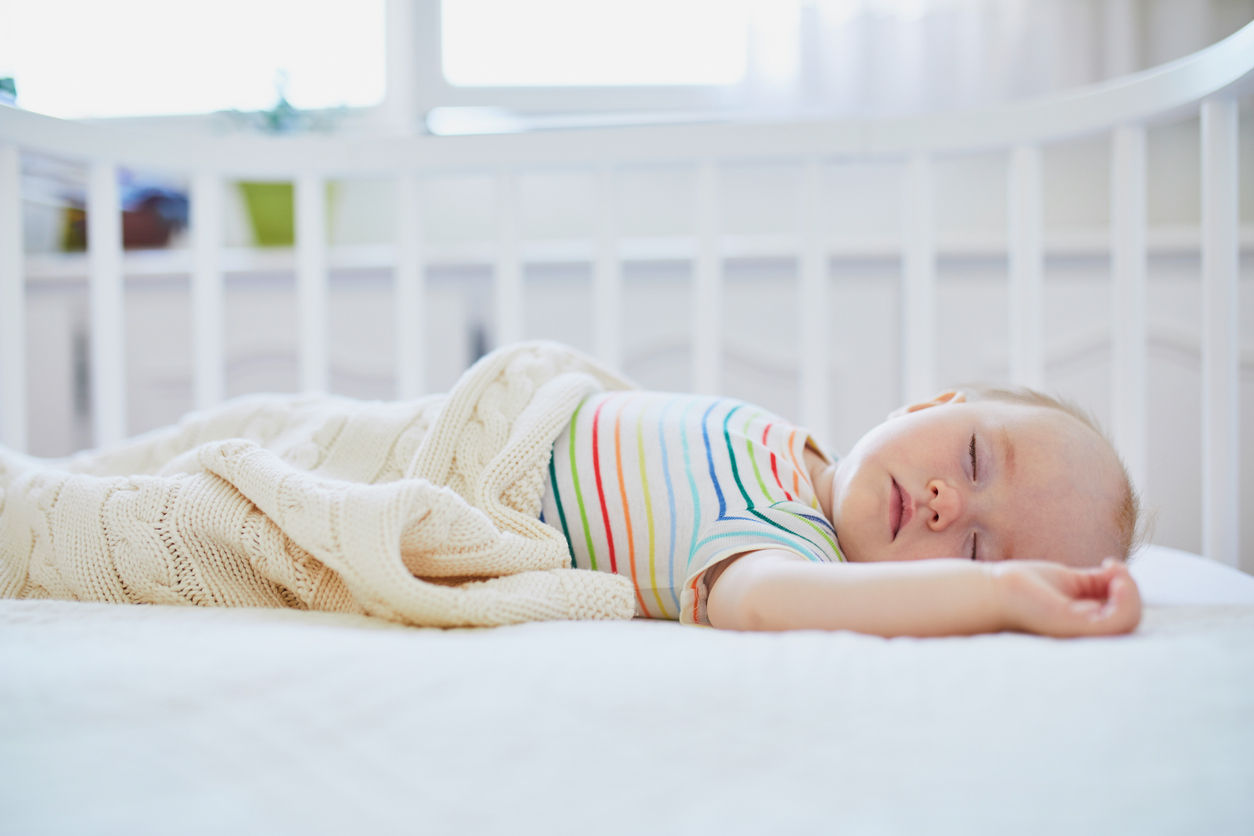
(1128, 508)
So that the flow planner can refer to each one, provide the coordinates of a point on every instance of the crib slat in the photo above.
(608, 273)
(411, 289)
(209, 354)
(12, 303)
(1128, 344)
(507, 296)
(813, 312)
(1027, 324)
(918, 305)
(311, 281)
(107, 298)
(1220, 337)
(707, 296)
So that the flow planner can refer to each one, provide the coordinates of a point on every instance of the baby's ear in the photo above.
(950, 396)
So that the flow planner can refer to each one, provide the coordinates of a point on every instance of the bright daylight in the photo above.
(627, 417)
(87, 58)
(609, 42)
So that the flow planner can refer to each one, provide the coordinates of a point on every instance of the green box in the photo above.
(271, 212)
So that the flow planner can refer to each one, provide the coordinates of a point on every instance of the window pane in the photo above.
(81, 58)
(608, 42)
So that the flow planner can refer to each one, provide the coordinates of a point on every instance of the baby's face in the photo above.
(986, 480)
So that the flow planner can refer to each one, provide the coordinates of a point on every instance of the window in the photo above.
(507, 43)
(88, 58)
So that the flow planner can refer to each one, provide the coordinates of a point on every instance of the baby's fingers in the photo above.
(1087, 607)
(1123, 604)
(1094, 583)
(1055, 601)
(1119, 613)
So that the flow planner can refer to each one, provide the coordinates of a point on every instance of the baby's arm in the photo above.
(776, 590)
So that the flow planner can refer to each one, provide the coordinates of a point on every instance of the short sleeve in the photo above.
(784, 526)
(696, 591)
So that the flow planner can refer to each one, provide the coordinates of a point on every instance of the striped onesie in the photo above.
(660, 487)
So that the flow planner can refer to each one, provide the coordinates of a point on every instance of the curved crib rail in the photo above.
(1209, 79)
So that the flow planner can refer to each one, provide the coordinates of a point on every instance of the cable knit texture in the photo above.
(422, 512)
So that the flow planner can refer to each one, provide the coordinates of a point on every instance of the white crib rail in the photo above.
(918, 286)
(607, 276)
(812, 301)
(1221, 392)
(1027, 268)
(410, 289)
(12, 302)
(108, 325)
(310, 206)
(1121, 107)
(707, 286)
(1128, 327)
(209, 374)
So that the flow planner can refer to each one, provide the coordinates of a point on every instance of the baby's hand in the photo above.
(1052, 600)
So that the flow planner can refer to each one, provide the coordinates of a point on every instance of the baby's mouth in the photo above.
(896, 505)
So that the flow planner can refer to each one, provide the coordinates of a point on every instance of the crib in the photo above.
(168, 720)
(1210, 82)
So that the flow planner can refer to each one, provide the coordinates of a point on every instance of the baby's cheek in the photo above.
(850, 519)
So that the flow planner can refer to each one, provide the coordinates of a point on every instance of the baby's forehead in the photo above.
(1049, 436)
(1042, 422)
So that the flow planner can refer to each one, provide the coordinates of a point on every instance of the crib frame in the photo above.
(1208, 81)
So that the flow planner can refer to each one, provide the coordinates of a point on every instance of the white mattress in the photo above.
(117, 719)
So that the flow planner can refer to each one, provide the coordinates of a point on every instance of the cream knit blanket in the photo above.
(423, 512)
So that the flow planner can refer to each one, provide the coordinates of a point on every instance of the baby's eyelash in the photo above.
(975, 472)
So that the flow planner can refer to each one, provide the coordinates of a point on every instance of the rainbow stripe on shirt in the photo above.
(658, 487)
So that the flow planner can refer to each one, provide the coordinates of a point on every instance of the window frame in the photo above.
(431, 89)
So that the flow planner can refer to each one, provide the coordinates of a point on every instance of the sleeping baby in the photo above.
(974, 512)
(977, 511)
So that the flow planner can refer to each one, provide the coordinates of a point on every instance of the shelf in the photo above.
(54, 267)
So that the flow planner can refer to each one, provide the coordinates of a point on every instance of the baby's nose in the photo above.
(944, 504)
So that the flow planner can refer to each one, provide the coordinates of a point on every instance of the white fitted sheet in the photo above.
(129, 719)
(1170, 577)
